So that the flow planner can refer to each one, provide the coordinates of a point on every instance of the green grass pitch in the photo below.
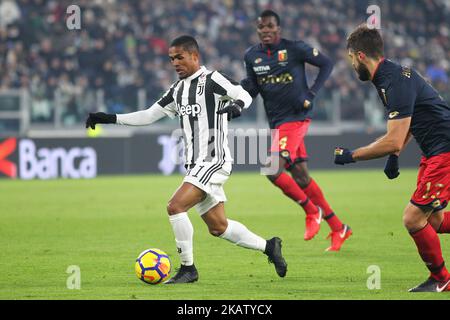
(101, 225)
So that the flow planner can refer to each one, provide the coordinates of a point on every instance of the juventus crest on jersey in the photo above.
(196, 100)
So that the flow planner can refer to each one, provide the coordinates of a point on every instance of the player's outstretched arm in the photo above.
(165, 106)
(391, 143)
(139, 118)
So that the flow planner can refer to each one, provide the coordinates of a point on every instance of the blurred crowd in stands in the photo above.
(121, 48)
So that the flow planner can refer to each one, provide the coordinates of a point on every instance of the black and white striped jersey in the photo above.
(196, 100)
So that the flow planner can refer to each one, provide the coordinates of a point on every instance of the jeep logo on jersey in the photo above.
(190, 110)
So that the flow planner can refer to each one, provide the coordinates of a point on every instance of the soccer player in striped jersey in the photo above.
(204, 101)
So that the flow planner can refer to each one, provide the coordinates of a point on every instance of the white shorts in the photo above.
(210, 177)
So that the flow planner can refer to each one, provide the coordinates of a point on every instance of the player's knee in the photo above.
(408, 223)
(218, 229)
(302, 180)
(413, 222)
(173, 207)
(300, 174)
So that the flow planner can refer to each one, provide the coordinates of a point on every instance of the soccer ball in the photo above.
(152, 266)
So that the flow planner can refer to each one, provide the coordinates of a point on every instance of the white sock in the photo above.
(184, 232)
(241, 236)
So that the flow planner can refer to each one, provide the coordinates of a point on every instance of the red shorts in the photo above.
(433, 182)
(288, 140)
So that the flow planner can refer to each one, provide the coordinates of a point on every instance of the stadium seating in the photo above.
(121, 46)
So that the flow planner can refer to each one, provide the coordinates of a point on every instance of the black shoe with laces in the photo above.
(432, 285)
(273, 251)
(185, 274)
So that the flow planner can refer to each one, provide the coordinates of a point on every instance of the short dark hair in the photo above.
(187, 42)
(270, 13)
(366, 40)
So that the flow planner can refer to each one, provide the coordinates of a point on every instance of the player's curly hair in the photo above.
(366, 40)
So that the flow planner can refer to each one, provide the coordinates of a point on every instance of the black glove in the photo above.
(343, 156)
(100, 117)
(391, 168)
(233, 110)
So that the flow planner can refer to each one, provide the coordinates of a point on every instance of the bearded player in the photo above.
(415, 109)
